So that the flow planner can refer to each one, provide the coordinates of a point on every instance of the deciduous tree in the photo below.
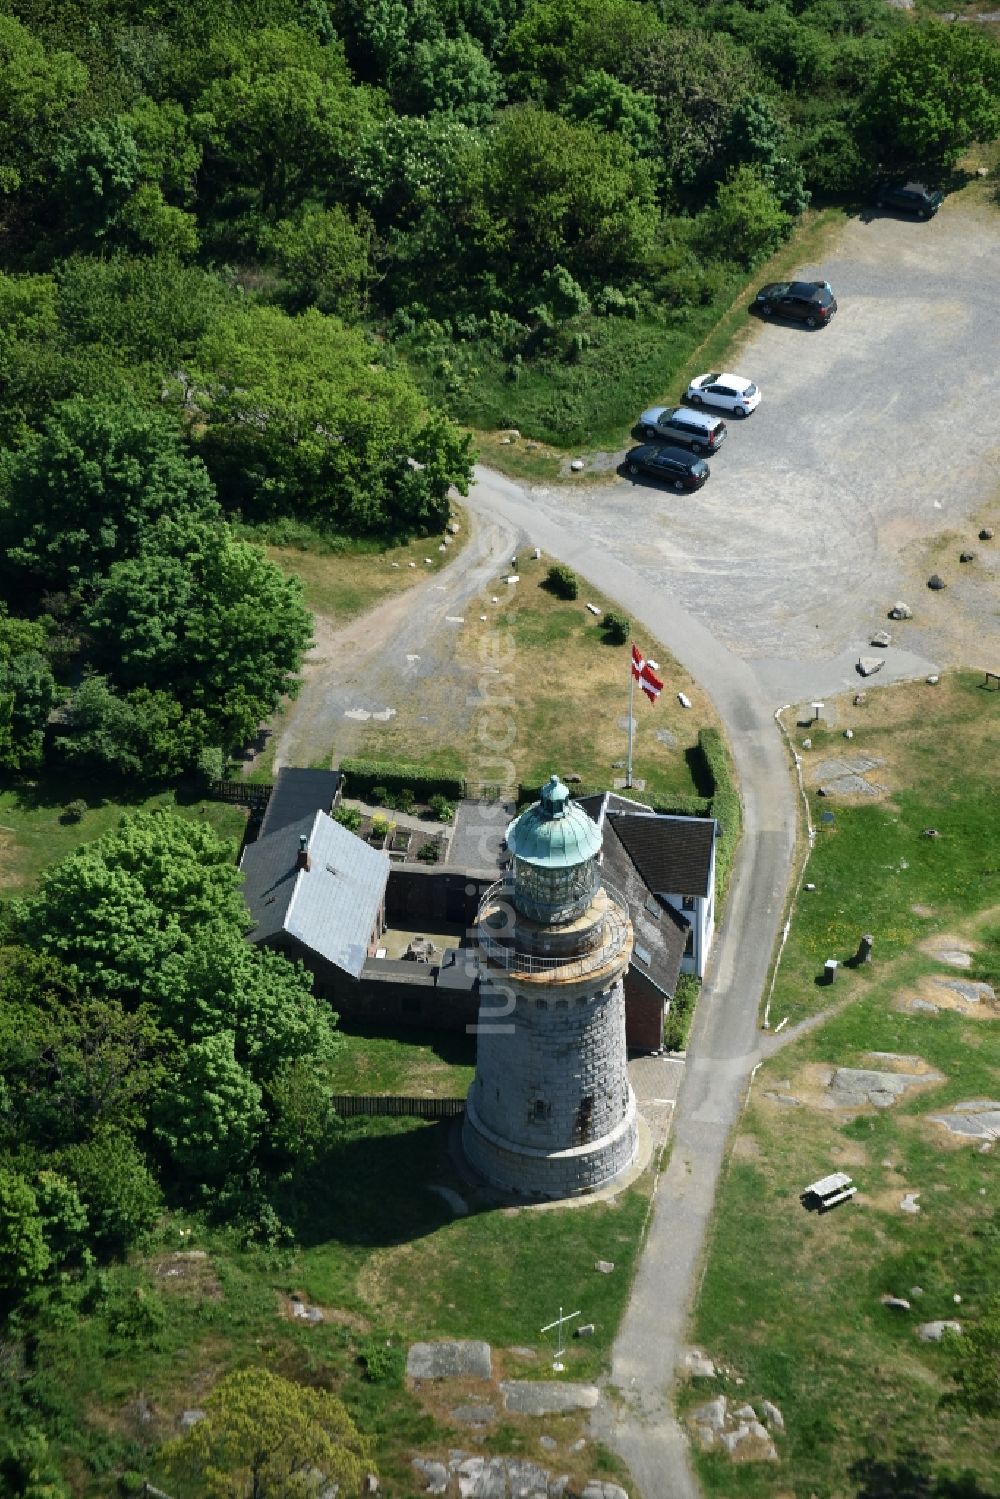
(82, 494)
(937, 91)
(211, 1118)
(302, 417)
(264, 1434)
(209, 615)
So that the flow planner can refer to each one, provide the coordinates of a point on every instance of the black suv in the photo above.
(673, 465)
(911, 197)
(809, 302)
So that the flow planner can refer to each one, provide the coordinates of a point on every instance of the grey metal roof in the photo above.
(298, 793)
(332, 907)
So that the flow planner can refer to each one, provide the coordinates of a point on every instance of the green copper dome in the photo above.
(554, 833)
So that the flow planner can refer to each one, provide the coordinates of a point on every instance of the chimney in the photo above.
(303, 861)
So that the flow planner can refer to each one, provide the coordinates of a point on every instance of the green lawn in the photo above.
(412, 1062)
(790, 1303)
(871, 864)
(34, 835)
(388, 1260)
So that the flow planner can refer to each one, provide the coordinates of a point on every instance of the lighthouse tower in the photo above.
(551, 1112)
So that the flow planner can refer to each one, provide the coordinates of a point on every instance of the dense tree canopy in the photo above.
(81, 495)
(142, 1036)
(936, 91)
(300, 414)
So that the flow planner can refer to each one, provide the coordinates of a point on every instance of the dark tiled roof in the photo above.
(660, 932)
(673, 854)
(298, 794)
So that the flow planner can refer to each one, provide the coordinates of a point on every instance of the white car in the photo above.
(733, 393)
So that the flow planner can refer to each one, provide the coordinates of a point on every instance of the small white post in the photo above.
(559, 1323)
(631, 722)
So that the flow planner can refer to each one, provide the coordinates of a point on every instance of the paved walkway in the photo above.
(724, 1043)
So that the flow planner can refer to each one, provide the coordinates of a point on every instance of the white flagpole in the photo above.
(631, 721)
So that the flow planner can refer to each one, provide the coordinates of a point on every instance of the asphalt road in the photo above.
(873, 436)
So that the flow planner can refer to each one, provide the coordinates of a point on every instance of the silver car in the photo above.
(702, 432)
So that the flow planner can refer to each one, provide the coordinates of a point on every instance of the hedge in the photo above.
(727, 808)
(360, 776)
(681, 1012)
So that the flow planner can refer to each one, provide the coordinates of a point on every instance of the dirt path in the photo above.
(354, 675)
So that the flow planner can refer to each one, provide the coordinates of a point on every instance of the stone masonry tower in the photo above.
(551, 1112)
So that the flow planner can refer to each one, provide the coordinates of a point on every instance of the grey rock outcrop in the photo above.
(450, 1359)
(933, 1332)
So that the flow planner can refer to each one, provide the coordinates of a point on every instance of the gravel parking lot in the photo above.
(877, 438)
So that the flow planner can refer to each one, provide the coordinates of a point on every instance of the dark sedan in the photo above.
(673, 465)
(809, 302)
(910, 197)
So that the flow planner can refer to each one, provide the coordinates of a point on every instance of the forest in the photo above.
(262, 265)
(256, 258)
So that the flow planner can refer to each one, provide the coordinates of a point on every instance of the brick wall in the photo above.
(643, 1013)
(422, 894)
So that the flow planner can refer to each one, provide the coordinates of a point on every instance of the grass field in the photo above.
(790, 1305)
(387, 1260)
(435, 1064)
(34, 835)
(563, 693)
(343, 584)
(870, 865)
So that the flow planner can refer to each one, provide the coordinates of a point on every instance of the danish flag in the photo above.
(644, 674)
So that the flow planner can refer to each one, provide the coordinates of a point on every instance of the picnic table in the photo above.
(829, 1190)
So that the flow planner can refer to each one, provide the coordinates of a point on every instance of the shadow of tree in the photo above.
(907, 1475)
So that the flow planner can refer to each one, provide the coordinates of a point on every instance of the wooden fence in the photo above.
(355, 1105)
(252, 794)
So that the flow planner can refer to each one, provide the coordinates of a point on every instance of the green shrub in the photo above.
(429, 852)
(442, 808)
(383, 1363)
(388, 777)
(382, 828)
(405, 800)
(348, 817)
(682, 804)
(726, 806)
(73, 811)
(562, 581)
(139, 1316)
(682, 1006)
(379, 795)
(616, 627)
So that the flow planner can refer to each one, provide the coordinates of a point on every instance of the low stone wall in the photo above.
(405, 995)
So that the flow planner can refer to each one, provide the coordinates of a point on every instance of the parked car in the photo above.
(911, 197)
(673, 465)
(809, 302)
(735, 392)
(702, 433)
